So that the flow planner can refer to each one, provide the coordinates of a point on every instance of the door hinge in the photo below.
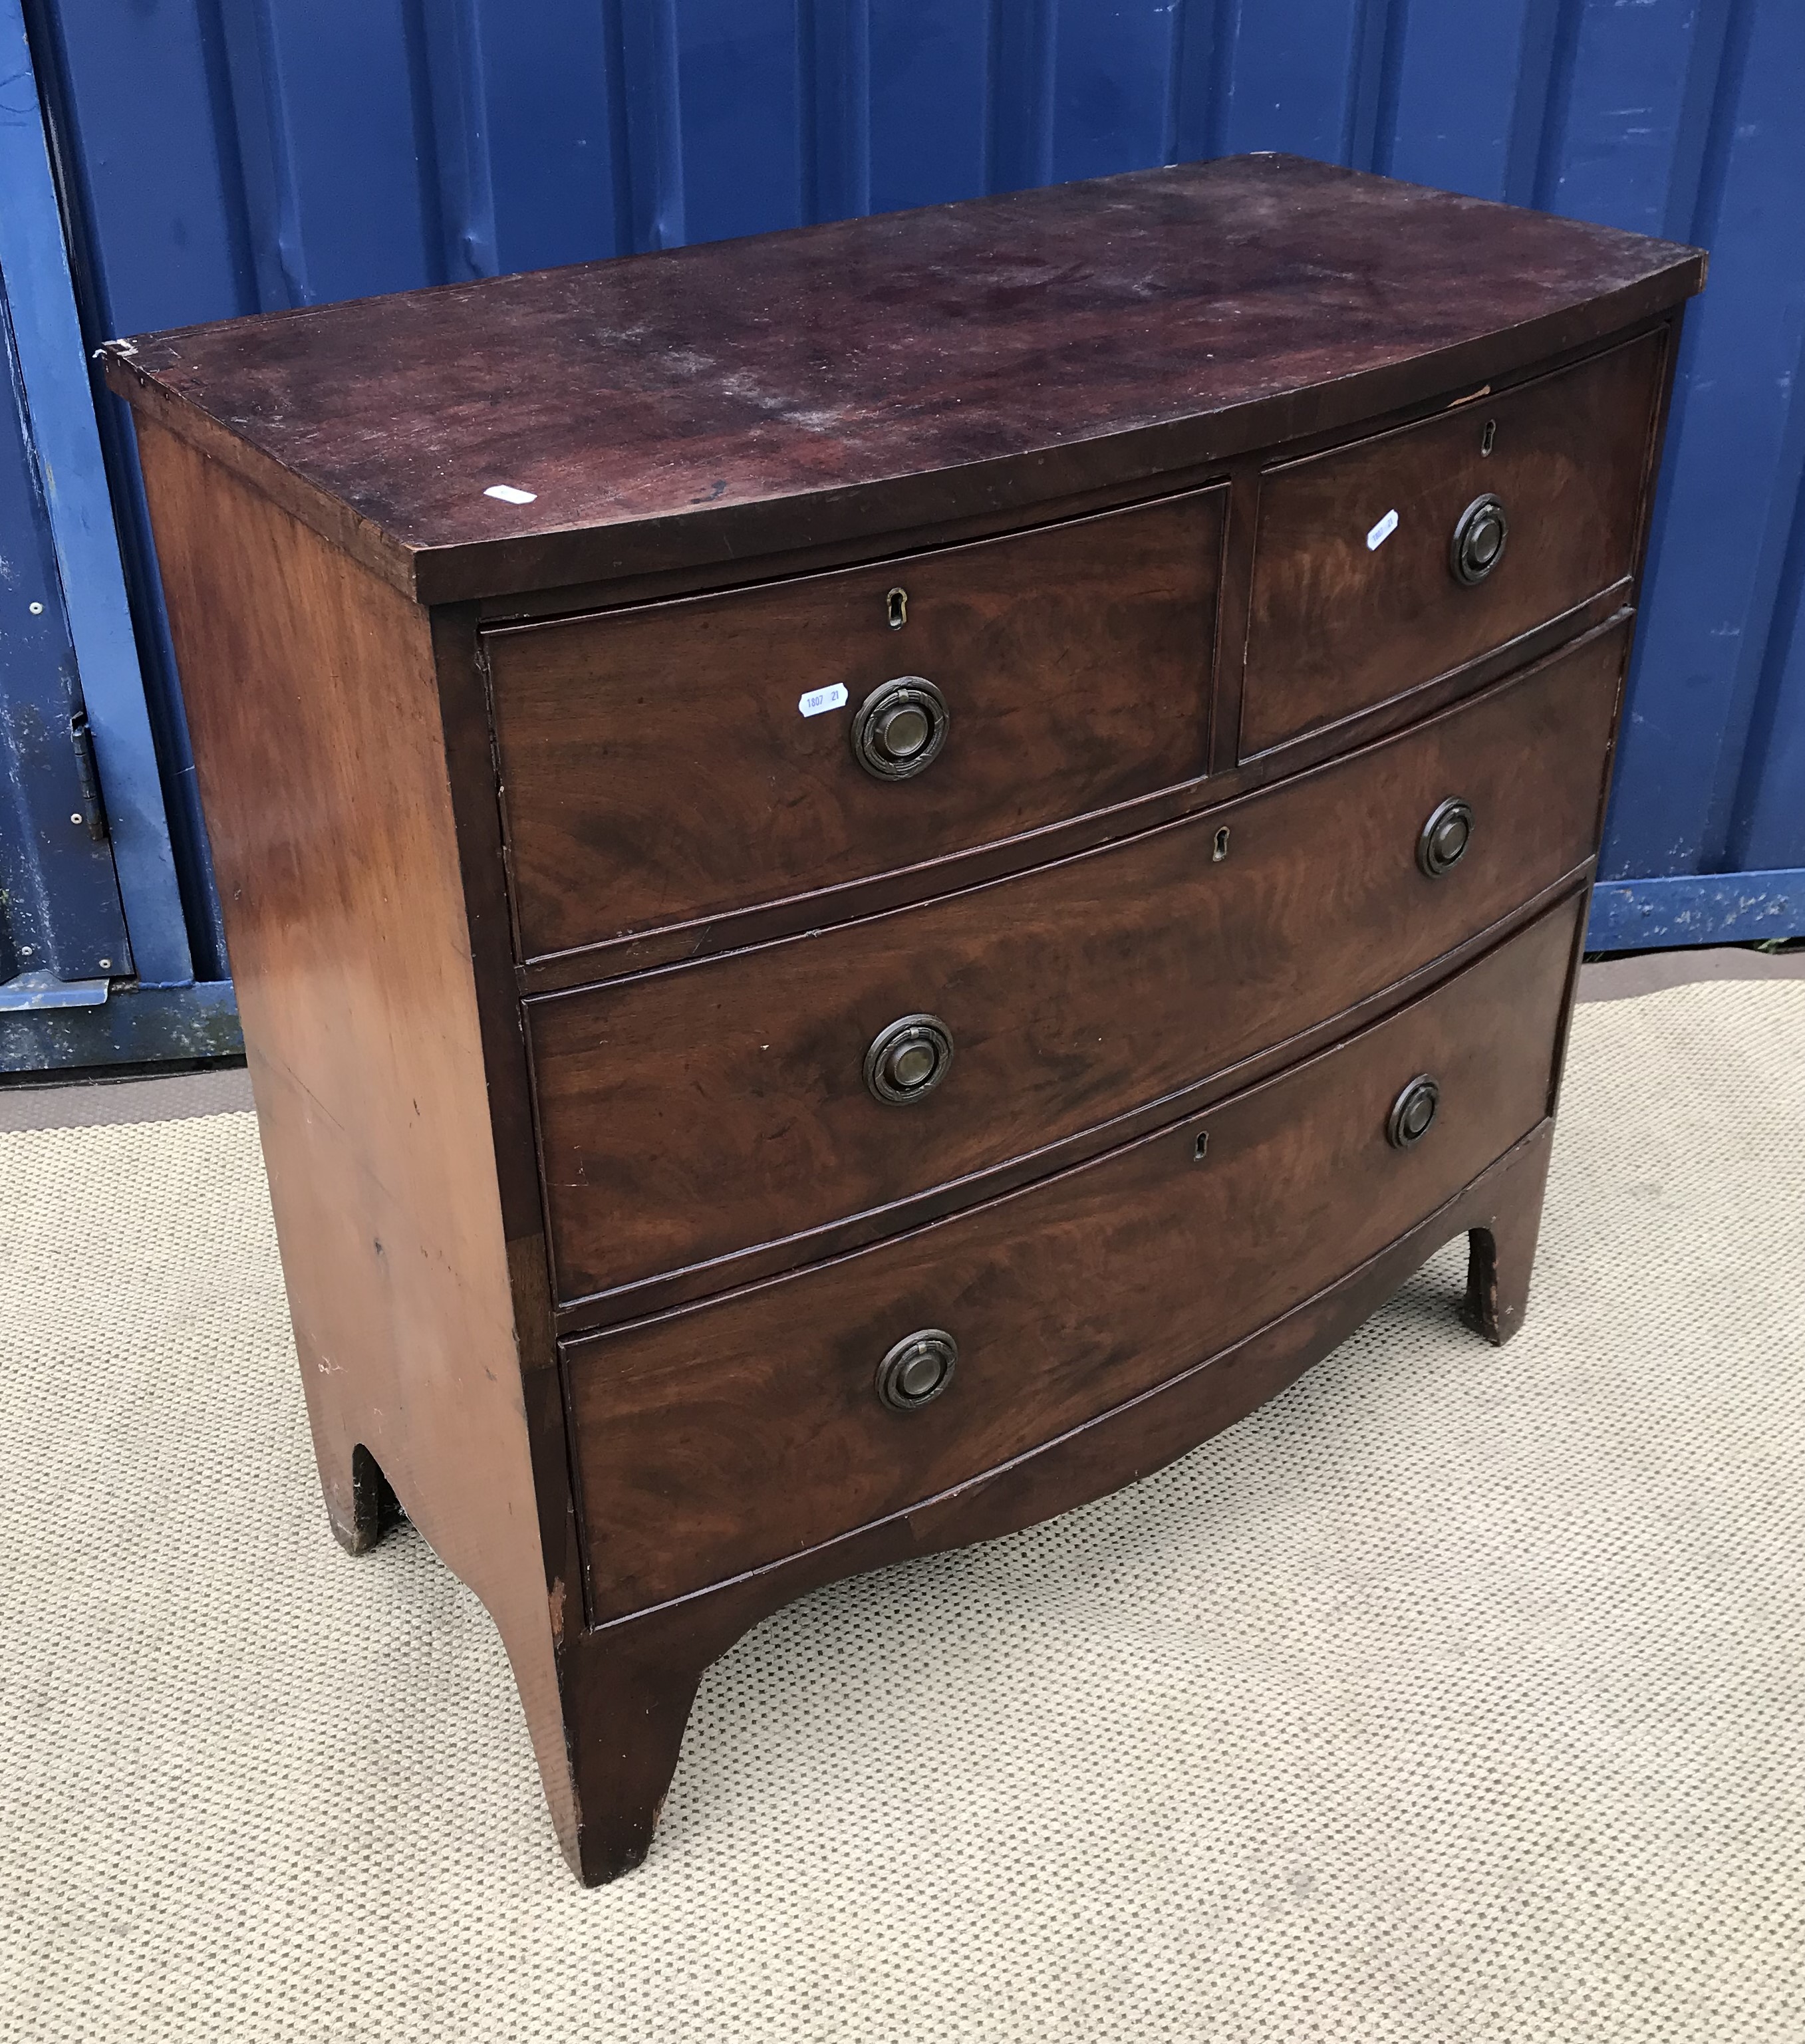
(88, 774)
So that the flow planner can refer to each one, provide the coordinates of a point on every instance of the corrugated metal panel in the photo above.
(55, 478)
(232, 155)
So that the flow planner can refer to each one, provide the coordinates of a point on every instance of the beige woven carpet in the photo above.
(1458, 1696)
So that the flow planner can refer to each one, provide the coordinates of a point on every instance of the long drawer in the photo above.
(720, 1438)
(701, 1110)
(1381, 566)
(676, 761)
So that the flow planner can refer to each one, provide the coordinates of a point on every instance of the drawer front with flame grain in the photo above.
(693, 1113)
(673, 762)
(779, 1417)
(1381, 566)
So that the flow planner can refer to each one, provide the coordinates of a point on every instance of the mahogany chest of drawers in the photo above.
(876, 876)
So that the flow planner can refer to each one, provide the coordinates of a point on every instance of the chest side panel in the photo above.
(317, 736)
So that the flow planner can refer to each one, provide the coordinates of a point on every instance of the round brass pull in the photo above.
(908, 1059)
(917, 1369)
(1412, 1112)
(900, 727)
(1480, 536)
(1443, 841)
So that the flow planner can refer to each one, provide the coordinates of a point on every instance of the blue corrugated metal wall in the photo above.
(225, 156)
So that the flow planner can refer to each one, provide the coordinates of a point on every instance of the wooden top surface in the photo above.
(873, 376)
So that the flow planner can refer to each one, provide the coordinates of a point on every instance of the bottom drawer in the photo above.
(720, 1437)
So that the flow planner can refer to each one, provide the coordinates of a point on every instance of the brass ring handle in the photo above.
(900, 728)
(1480, 533)
(917, 1369)
(1412, 1112)
(907, 1059)
(1442, 842)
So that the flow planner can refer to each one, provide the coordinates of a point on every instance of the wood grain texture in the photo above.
(689, 1114)
(748, 1266)
(317, 736)
(721, 401)
(716, 1440)
(1338, 624)
(765, 922)
(638, 1677)
(657, 770)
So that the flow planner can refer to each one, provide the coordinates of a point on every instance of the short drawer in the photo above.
(724, 1436)
(676, 761)
(690, 1113)
(1380, 566)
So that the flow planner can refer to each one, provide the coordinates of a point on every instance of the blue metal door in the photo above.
(62, 927)
(228, 156)
(78, 754)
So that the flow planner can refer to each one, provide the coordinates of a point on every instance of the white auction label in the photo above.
(505, 493)
(1382, 531)
(816, 700)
